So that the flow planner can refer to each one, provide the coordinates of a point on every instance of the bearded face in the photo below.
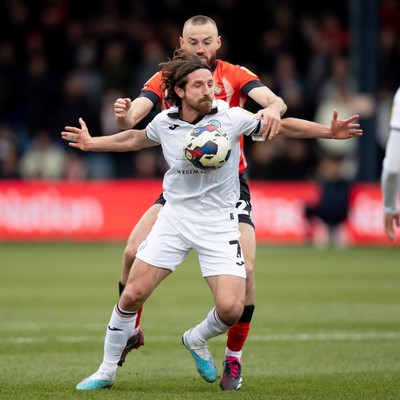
(202, 106)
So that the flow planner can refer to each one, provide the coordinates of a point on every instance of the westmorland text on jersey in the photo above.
(190, 171)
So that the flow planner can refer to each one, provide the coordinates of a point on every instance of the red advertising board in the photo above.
(278, 210)
(278, 213)
(108, 210)
(82, 211)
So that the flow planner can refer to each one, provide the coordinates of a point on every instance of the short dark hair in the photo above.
(200, 20)
(174, 73)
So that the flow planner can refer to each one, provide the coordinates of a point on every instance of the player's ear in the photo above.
(219, 42)
(181, 41)
(179, 91)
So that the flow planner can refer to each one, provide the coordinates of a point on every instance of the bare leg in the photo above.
(143, 279)
(231, 378)
(229, 293)
(138, 234)
(248, 243)
(238, 334)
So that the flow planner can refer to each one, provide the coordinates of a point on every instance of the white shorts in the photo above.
(173, 236)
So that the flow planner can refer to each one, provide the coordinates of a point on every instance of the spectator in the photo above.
(9, 154)
(285, 159)
(39, 92)
(116, 67)
(75, 167)
(9, 82)
(333, 205)
(342, 101)
(44, 160)
(289, 85)
(112, 45)
(146, 165)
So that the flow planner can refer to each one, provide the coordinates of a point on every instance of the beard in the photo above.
(209, 61)
(202, 106)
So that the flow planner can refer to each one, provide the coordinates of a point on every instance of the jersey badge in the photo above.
(217, 88)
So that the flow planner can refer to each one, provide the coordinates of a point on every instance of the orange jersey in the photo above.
(232, 83)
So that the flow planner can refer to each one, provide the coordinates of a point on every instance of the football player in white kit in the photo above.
(200, 211)
(390, 179)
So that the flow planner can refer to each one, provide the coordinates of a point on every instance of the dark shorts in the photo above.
(243, 205)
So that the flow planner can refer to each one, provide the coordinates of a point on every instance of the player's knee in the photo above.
(132, 298)
(230, 313)
(130, 251)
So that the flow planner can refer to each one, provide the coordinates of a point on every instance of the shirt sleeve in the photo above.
(248, 80)
(240, 77)
(152, 129)
(250, 86)
(245, 121)
(152, 89)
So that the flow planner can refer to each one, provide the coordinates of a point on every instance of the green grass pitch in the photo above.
(326, 325)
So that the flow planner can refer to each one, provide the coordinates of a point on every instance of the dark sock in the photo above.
(121, 288)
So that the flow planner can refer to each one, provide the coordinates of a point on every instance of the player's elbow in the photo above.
(124, 123)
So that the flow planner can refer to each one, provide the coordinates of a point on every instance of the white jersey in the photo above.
(390, 179)
(202, 195)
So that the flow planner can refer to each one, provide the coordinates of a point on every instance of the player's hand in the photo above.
(389, 222)
(344, 129)
(77, 137)
(271, 122)
(121, 108)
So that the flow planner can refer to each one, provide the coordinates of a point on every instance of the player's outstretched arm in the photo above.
(344, 129)
(129, 113)
(390, 221)
(301, 128)
(79, 138)
(129, 140)
(274, 108)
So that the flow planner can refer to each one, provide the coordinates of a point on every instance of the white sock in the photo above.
(211, 327)
(120, 328)
(231, 353)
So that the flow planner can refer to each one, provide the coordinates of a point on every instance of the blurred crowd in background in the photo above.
(61, 60)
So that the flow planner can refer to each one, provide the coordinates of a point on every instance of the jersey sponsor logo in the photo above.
(189, 171)
(172, 127)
